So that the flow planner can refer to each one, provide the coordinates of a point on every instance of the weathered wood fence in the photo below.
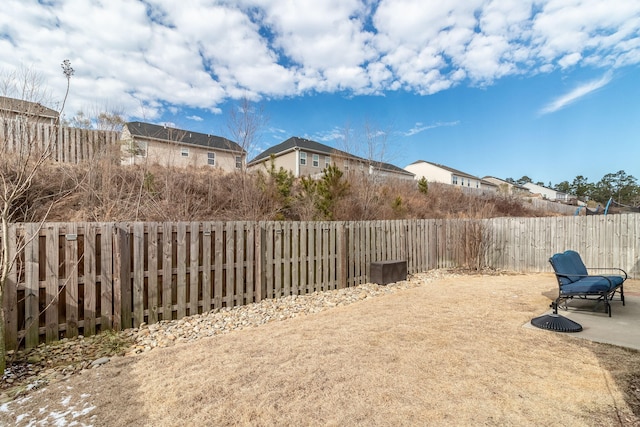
(65, 144)
(79, 278)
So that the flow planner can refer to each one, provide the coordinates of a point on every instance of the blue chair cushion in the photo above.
(591, 285)
(569, 265)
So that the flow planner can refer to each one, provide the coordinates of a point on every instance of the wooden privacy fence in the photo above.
(66, 144)
(80, 278)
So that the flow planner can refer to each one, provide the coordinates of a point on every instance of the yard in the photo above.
(449, 352)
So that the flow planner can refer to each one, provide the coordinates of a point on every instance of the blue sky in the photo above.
(548, 89)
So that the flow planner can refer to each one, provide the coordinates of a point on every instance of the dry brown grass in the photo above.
(105, 191)
(450, 352)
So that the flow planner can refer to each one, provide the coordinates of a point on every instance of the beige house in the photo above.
(506, 187)
(434, 172)
(11, 108)
(548, 193)
(304, 157)
(167, 146)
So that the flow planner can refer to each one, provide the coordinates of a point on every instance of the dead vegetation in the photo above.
(106, 191)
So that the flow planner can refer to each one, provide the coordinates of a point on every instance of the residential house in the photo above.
(168, 146)
(548, 193)
(506, 187)
(11, 109)
(304, 157)
(434, 172)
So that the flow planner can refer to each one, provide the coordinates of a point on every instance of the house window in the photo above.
(316, 161)
(454, 180)
(238, 162)
(346, 165)
(327, 161)
(462, 182)
(211, 158)
(303, 158)
(184, 152)
(139, 148)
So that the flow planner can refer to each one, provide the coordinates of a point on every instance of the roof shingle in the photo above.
(181, 136)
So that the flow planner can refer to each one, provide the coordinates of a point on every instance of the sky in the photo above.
(503, 88)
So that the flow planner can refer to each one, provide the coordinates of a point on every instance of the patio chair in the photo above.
(575, 281)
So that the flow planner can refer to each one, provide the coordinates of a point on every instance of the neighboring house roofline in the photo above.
(297, 143)
(294, 143)
(521, 187)
(447, 168)
(167, 134)
(20, 106)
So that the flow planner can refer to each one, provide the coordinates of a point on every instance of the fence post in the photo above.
(121, 279)
(259, 260)
(11, 295)
(342, 255)
(32, 285)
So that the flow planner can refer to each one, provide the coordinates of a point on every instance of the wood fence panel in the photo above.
(139, 256)
(317, 256)
(52, 236)
(259, 261)
(311, 256)
(88, 280)
(106, 276)
(71, 279)
(249, 264)
(229, 264)
(277, 259)
(181, 275)
(121, 279)
(194, 267)
(32, 285)
(120, 275)
(167, 271)
(207, 284)
(240, 264)
(154, 263)
(295, 258)
(269, 261)
(218, 277)
(10, 297)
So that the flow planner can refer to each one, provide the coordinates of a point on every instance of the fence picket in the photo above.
(167, 271)
(138, 273)
(89, 280)
(206, 266)
(106, 276)
(152, 280)
(52, 290)
(71, 279)
(195, 262)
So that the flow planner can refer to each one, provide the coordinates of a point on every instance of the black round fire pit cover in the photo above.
(555, 322)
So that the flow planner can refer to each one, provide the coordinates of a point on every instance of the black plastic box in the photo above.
(385, 272)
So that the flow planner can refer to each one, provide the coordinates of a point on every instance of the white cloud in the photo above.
(421, 127)
(147, 56)
(195, 118)
(577, 93)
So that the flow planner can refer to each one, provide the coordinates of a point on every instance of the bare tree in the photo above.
(99, 118)
(22, 95)
(371, 144)
(246, 122)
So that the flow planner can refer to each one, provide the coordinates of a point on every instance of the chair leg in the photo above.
(554, 305)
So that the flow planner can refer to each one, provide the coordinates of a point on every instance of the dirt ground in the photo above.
(450, 352)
